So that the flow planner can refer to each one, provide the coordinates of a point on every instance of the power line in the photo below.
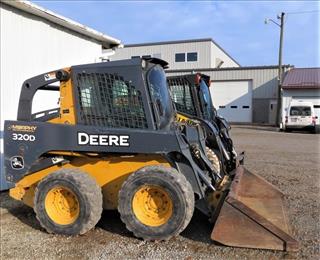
(304, 12)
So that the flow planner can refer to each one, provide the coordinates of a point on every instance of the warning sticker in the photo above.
(49, 76)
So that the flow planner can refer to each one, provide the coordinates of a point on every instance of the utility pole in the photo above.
(279, 101)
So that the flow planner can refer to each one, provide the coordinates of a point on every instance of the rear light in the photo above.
(198, 78)
(208, 81)
(286, 119)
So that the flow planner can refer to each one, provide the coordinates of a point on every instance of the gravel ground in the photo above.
(288, 160)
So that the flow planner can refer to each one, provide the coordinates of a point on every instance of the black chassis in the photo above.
(217, 129)
(184, 149)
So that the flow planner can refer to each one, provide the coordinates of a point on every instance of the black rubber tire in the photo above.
(89, 196)
(178, 188)
(315, 130)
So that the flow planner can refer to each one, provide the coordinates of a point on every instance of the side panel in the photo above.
(26, 142)
(109, 172)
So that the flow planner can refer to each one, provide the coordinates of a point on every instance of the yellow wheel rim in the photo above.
(62, 206)
(152, 205)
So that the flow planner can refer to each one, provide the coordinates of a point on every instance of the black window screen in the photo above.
(181, 95)
(108, 100)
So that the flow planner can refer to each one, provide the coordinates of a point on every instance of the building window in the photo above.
(157, 55)
(180, 57)
(192, 56)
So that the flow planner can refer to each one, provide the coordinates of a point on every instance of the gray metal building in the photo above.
(243, 94)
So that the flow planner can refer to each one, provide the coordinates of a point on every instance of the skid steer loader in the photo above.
(191, 96)
(192, 99)
(113, 143)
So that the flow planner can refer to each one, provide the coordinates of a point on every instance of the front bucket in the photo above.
(253, 215)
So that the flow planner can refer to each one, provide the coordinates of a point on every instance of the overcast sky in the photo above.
(237, 26)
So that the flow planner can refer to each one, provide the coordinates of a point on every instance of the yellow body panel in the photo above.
(64, 153)
(183, 119)
(67, 108)
(109, 173)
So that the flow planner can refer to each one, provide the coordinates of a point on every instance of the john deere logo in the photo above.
(17, 162)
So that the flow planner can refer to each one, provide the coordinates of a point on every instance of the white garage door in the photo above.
(233, 100)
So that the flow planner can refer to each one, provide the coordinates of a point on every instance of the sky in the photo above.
(237, 26)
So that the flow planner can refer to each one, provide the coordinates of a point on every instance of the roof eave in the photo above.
(301, 87)
(105, 40)
(288, 66)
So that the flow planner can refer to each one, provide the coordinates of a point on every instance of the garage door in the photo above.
(233, 100)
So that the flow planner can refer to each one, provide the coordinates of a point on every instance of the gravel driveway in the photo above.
(289, 160)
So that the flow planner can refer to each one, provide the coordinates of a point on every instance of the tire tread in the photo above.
(176, 178)
(86, 185)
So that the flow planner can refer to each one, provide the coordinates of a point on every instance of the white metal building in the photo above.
(186, 54)
(35, 40)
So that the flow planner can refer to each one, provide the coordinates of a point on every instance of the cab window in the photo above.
(110, 101)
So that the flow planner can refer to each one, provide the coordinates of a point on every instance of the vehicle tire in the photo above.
(214, 159)
(68, 202)
(156, 203)
(315, 130)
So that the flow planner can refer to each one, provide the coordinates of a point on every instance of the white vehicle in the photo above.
(301, 115)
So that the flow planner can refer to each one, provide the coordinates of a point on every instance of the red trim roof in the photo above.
(303, 78)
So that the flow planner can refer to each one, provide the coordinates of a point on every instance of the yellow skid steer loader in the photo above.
(252, 201)
(113, 143)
